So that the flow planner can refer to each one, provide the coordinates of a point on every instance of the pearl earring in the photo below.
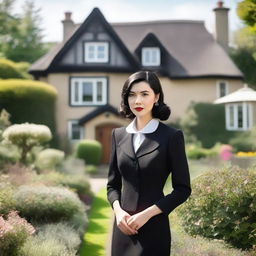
(156, 104)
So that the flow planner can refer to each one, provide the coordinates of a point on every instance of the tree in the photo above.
(246, 10)
(26, 43)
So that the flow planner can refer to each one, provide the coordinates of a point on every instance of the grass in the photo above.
(97, 233)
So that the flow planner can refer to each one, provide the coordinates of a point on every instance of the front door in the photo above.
(103, 135)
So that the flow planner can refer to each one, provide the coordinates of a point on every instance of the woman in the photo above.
(143, 155)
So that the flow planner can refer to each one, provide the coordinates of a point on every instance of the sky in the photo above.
(52, 12)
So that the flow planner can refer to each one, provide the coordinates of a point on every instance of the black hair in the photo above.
(162, 111)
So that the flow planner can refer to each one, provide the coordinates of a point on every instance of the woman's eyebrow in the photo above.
(139, 91)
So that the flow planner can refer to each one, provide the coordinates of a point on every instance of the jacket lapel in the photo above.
(150, 144)
(126, 145)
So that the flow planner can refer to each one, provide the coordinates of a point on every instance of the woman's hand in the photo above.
(121, 220)
(137, 220)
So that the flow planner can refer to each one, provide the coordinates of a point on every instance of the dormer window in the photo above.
(151, 56)
(96, 52)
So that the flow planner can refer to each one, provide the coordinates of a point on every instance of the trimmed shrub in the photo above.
(91, 169)
(26, 136)
(197, 152)
(8, 155)
(29, 101)
(49, 158)
(62, 237)
(41, 203)
(13, 233)
(89, 151)
(9, 69)
(223, 206)
(7, 202)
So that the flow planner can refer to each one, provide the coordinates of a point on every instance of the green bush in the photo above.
(26, 93)
(200, 122)
(14, 232)
(89, 151)
(9, 69)
(52, 239)
(49, 158)
(223, 206)
(42, 203)
(245, 141)
(197, 152)
(8, 155)
(7, 202)
(91, 169)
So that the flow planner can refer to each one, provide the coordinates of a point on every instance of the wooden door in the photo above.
(103, 135)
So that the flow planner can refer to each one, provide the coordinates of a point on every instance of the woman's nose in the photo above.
(138, 99)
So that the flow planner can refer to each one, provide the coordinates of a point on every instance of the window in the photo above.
(222, 88)
(96, 52)
(238, 116)
(75, 131)
(88, 91)
(151, 56)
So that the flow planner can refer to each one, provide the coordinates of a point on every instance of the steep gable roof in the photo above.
(49, 62)
(194, 51)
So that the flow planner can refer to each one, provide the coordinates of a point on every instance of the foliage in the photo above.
(26, 136)
(90, 151)
(25, 94)
(8, 69)
(223, 206)
(44, 203)
(49, 158)
(52, 239)
(246, 12)
(13, 233)
(244, 141)
(7, 202)
(199, 123)
(21, 35)
(195, 151)
(91, 169)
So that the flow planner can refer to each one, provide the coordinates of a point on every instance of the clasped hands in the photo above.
(130, 224)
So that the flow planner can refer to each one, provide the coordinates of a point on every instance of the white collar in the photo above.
(150, 127)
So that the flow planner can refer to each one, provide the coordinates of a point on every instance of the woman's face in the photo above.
(141, 99)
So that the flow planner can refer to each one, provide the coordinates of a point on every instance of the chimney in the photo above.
(221, 25)
(68, 26)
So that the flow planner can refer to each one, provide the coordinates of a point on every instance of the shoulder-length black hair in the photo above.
(162, 111)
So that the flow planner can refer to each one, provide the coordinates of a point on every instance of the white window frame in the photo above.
(247, 115)
(150, 50)
(70, 123)
(95, 58)
(218, 84)
(76, 84)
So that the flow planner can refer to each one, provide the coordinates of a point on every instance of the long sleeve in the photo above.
(180, 175)
(114, 184)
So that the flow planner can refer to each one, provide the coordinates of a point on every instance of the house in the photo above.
(240, 109)
(88, 69)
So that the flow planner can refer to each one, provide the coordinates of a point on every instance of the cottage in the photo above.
(88, 68)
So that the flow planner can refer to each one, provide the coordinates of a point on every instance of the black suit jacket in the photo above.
(137, 179)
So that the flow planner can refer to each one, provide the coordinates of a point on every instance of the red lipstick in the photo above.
(139, 109)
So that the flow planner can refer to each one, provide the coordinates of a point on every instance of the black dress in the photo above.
(137, 181)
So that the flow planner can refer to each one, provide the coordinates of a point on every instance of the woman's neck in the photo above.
(142, 122)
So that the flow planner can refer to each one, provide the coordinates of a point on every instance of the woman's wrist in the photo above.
(152, 211)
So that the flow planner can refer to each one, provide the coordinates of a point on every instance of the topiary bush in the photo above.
(9, 69)
(7, 202)
(42, 203)
(34, 102)
(90, 151)
(223, 206)
(197, 152)
(49, 158)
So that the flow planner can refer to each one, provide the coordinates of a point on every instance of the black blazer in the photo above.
(137, 179)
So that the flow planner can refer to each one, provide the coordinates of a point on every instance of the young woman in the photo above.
(143, 155)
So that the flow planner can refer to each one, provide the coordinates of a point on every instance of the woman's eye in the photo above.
(144, 94)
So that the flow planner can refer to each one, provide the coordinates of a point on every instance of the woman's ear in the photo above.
(157, 97)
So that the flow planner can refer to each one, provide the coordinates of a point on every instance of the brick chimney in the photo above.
(68, 25)
(221, 25)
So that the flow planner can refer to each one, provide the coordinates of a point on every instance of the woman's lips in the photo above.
(139, 109)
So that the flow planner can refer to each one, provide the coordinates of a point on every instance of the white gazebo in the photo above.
(240, 109)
